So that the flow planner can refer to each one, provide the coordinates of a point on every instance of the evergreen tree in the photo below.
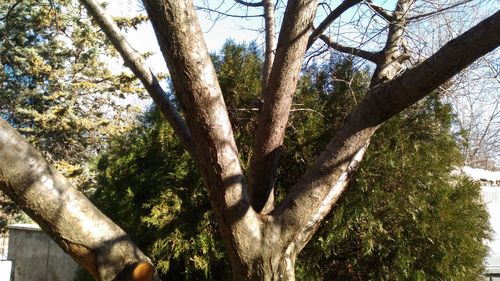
(56, 87)
(404, 217)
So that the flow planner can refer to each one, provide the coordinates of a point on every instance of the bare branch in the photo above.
(380, 11)
(136, 63)
(373, 57)
(344, 6)
(223, 14)
(308, 110)
(250, 4)
(439, 11)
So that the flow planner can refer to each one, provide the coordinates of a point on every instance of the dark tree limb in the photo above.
(373, 57)
(250, 4)
(63, 212)
(344, 6)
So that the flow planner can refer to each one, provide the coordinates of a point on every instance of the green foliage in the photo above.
(404, 217)
(151, 188)
(56, 87)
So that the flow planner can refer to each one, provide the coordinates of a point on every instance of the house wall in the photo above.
(36, 257)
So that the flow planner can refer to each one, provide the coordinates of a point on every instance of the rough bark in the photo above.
(393, 53)
(136, 63)
(273, 117)
(63, 212)
(270, 31)
(196, 86)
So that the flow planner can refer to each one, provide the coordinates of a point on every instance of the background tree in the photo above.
(262, 237)
(478, 125)
(56, 86)
(401, 218)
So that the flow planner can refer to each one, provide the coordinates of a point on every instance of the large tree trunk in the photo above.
(278, 96)
(64, 213)
(269, 267)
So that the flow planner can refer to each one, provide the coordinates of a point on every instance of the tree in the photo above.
(60, 95)
(478, 127)
(372, 233)
(163, 204)
(49, 86)
(262, 240)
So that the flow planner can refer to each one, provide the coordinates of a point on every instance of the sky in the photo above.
(143, 39)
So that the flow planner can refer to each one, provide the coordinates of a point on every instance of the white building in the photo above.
(32, 256)
(490, 190)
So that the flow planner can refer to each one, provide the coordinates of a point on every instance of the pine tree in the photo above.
(56, 87)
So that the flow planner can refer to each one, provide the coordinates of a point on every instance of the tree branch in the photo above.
(394, 52)
(63, 212)
(270, 31)
(273, 117)
(373, 57)
(193, 76)
(344, 6)
(439, 11)
(320, 187)
(380, 11)
(250, 4)
(223, 14)
(136, 63)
